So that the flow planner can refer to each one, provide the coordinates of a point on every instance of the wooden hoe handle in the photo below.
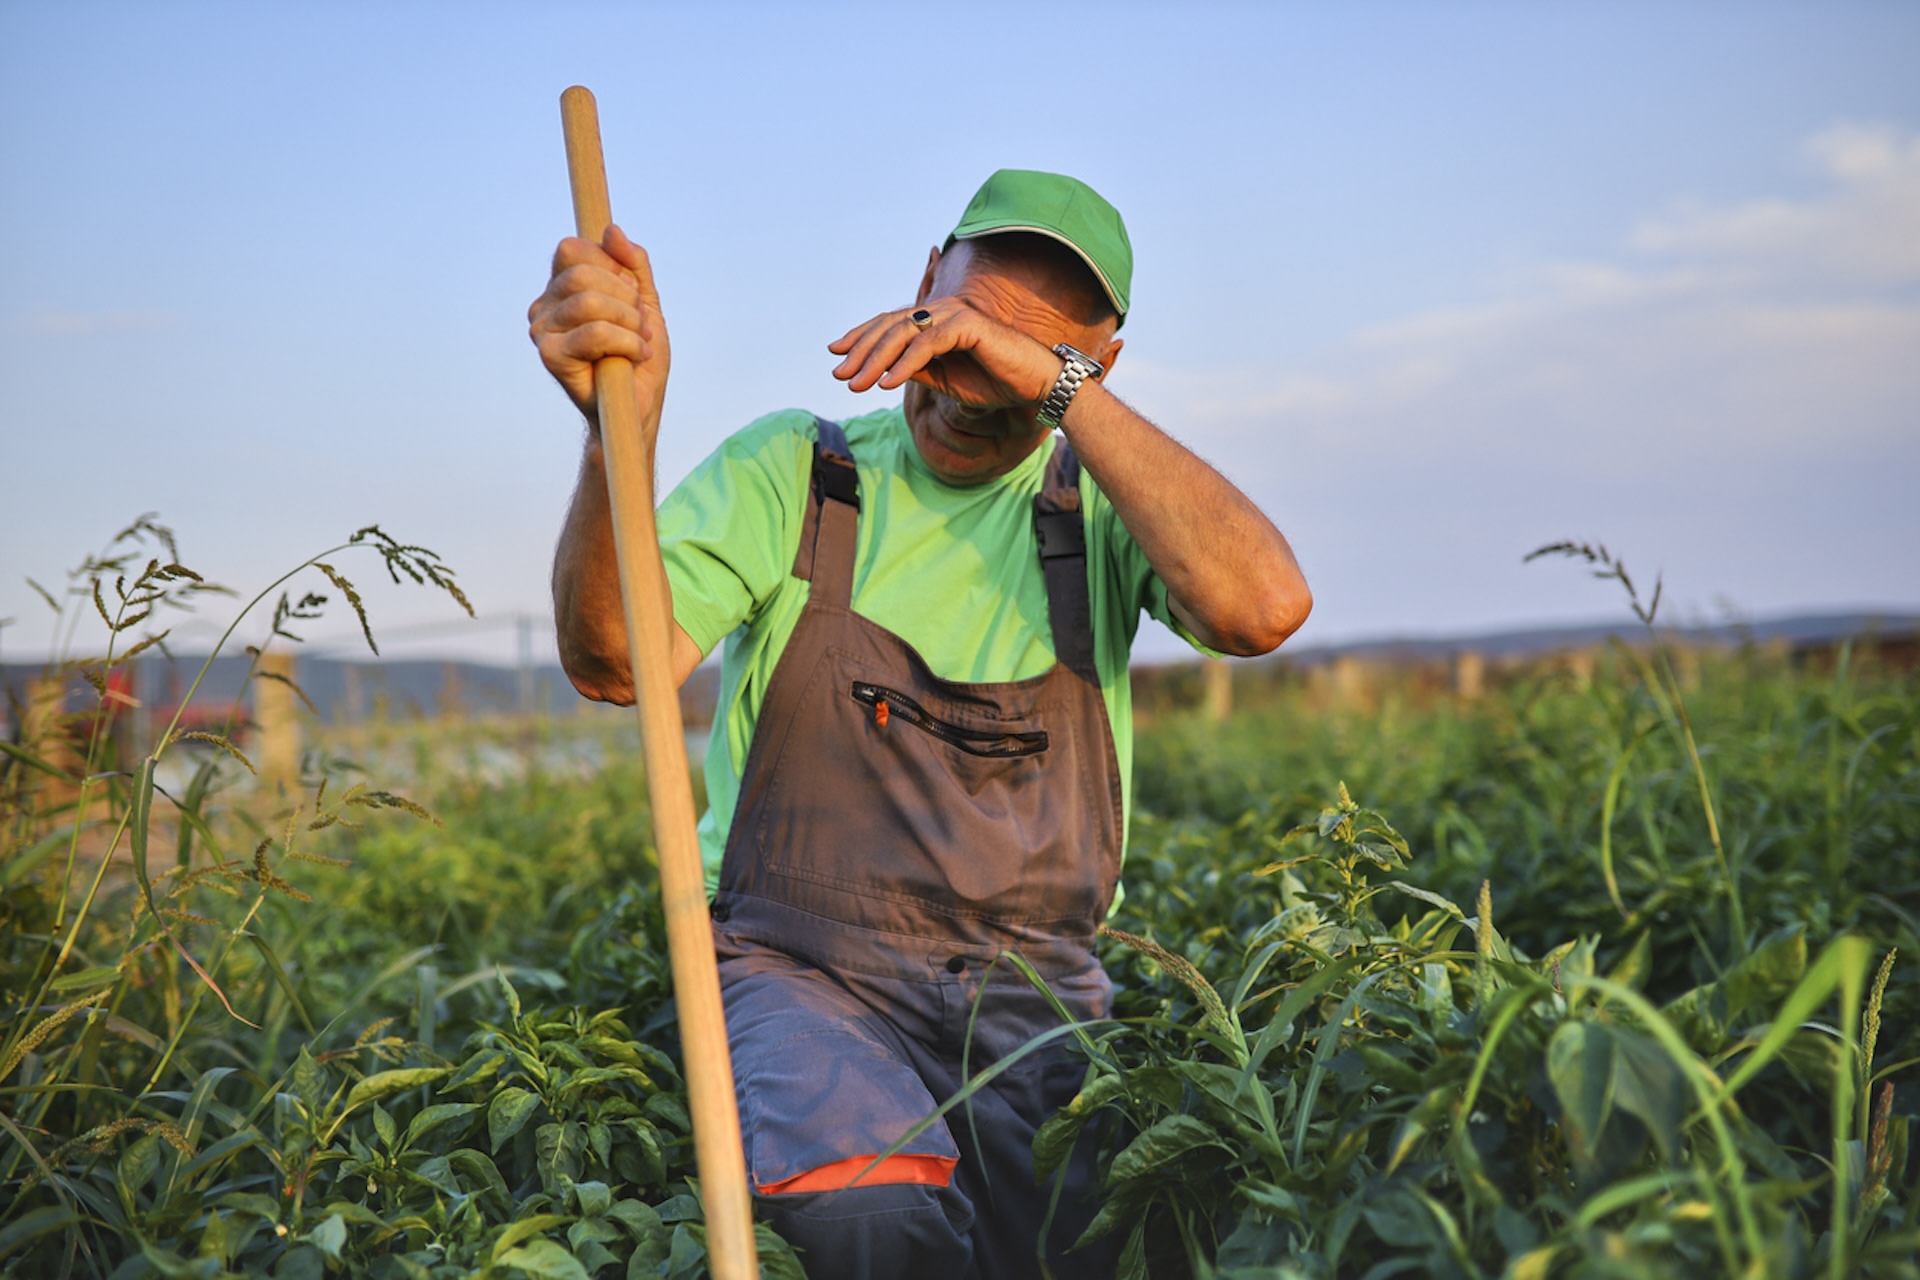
(683, 888)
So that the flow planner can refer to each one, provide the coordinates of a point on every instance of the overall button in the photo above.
(957, 965)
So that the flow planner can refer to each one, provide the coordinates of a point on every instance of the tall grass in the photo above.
(324, 1035)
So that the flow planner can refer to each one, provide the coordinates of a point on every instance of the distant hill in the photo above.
(1799, 630)
(343, 690)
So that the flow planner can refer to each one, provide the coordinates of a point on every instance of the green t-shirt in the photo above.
(959, 579)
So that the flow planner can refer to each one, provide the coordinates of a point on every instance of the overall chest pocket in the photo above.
(891, 803)
(888, 705)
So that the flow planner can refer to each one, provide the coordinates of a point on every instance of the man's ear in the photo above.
(1112, 355)
(926, 277)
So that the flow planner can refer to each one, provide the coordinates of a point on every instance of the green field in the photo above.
(1588, 976)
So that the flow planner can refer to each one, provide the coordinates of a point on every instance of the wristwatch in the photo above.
(1078, 368)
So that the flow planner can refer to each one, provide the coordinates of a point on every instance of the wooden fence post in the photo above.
(1686, 665)
(1469, 675)
(46, 731)
(1350, 680)
(452, 698)
(1216, 675)
(277, 719)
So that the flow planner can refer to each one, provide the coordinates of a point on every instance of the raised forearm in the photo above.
(1230, 575)
(588, 613)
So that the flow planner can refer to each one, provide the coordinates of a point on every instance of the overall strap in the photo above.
(1060, 533)
(833, 508)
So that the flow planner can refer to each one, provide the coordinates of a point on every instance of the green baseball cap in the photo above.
(1060, 208)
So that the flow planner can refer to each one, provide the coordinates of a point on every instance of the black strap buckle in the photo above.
(1060, 533)
(837, 478)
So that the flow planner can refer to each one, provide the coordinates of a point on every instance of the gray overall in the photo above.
(895, 833)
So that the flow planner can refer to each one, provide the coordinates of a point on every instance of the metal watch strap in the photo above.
(1077, 369)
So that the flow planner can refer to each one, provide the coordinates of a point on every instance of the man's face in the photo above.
(974, 429)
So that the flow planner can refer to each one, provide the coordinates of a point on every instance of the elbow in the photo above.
(1271, 616)
(592, 634)
(619, 692)
(595, 677)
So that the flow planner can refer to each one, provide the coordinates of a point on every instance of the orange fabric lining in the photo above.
(927, 1171)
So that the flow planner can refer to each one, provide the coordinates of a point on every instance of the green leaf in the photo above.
(592, 1254)
(641, 1160)
(33, 761)
(214, 1154)
(1429, 897)
(1580, 1063)
(1053, 1142)
(1770, 972)
(261, 1206)
(1401, 1220)
(85, 978)
(546, 1260)
(479, 1170)
(1275, 1201)
(1161, 1144)
(138, 1164)
(281, 978)
(19, 865)
(217, 1240)
(436, 1171)
(329, 1237)
(688, 1255)
(508, 1113)
(481, 1066)
(308, 1081)
(525, 1229)
(637, 1217)
(1648, 1083)
(680, 1208)
(1416, 1124)
(433, 1117)
(1280, 1026)
(1245, 1099)
(384, 1126)
(384, 1084)
(1635, 964)
(33, 1224)
(1534, 1265)
(558, 1149)
(1844, 957)
(594, 1198)
(202, 1100)
(652, 1242)
(1387, 859)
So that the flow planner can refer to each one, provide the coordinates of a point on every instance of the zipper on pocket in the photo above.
(888, 704)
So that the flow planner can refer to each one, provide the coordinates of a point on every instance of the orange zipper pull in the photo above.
(880, 713)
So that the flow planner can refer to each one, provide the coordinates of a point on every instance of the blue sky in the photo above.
(1435, 284)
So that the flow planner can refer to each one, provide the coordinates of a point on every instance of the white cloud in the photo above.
(1777, 327)
(1866, 230)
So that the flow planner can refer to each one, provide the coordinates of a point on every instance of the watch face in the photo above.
(1065, 352)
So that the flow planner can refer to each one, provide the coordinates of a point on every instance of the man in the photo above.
(920, 757)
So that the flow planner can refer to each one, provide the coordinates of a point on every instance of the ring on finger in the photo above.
(922, 319)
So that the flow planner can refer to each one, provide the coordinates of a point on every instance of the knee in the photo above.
(883, 1231)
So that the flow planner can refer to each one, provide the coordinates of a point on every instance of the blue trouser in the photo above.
(837, 1067)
